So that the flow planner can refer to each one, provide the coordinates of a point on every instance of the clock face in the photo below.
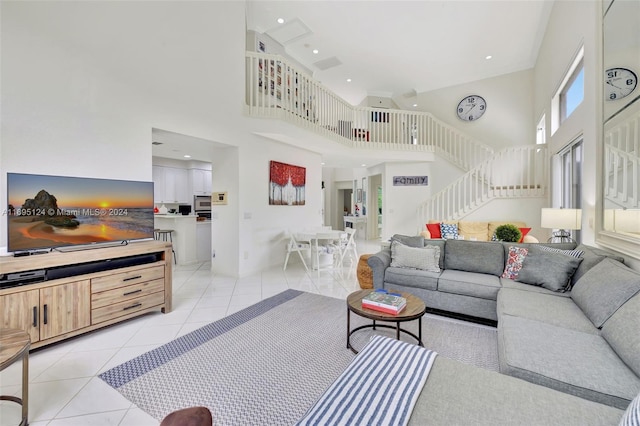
(618, 83)
(471, 108)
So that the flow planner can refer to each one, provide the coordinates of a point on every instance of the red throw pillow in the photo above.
(434, 230)
(524, 231)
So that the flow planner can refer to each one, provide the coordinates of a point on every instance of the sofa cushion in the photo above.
(411, 278)
(459, 394)
(547, 308)
(604, 288)
(570, 361)
(425, 258)
(506, 283)
(549, 270)
(449, 231)
(591, 257)
(524, 232)
(411, 241)
(622, 332)
(473, 284)
(470, 230)
(515, 258)
(484, 257)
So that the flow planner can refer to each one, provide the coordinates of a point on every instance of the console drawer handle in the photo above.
(35, 316)
(132, 278)
(132, 306)
(45, 313)
(133, 292)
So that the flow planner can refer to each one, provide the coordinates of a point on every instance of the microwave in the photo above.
(201, 203)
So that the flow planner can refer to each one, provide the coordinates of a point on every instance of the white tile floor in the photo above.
(63, 385)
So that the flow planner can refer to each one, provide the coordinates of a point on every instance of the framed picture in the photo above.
(286, 184)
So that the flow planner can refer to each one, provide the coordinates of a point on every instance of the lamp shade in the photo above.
(626, 220)
(561, 218)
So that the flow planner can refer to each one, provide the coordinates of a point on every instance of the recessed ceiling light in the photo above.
(415, 105)
(348, 80)
(280, 21)
(488, 57)
(315, 51)
(322, 164)
(364, 165)
(186, 156)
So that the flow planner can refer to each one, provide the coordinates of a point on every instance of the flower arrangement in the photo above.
(357, 210)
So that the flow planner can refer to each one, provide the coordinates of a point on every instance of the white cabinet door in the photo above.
(171, 185)
(201, 181)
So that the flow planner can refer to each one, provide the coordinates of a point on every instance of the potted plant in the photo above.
(509, 233)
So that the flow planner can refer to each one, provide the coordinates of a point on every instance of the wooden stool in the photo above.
(166, 235)
(14, 345)
(364, 272)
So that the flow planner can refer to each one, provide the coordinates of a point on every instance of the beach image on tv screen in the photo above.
(53, 211)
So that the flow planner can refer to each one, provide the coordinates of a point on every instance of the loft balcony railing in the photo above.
(277, 88)
(622, 162)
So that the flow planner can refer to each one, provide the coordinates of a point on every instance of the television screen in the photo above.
(55, 211)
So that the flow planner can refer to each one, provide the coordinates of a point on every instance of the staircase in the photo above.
(277, 88)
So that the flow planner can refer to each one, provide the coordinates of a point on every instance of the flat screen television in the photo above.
(46, 212)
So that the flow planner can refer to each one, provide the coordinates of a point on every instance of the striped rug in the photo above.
(269, 363)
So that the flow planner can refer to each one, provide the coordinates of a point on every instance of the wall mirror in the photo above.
(621, 126)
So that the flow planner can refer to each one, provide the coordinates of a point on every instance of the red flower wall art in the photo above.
(286, 184)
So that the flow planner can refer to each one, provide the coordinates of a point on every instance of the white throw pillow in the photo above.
(426, 259)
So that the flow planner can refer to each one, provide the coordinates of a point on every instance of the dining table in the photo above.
(317, 238)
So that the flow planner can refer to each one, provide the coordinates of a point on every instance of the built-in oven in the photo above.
(202, 206)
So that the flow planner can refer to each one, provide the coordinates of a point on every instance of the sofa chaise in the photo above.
(567, 320)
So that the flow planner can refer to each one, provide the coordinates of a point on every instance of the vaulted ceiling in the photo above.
(400, 48)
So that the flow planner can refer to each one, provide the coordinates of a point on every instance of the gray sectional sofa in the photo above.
(567, 323)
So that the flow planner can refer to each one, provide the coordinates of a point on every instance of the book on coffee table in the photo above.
(383, 301)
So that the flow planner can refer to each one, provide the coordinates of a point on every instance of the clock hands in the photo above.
(611, 84)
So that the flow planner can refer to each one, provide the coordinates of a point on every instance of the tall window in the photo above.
(541, 136)
(573, 93)
(571, 185)
(570, 92)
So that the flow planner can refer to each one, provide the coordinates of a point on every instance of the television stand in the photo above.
(63, 295)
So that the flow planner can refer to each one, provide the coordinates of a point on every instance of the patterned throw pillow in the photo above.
(449, 231)
(514, 262)
(572, 253)
(631, 416)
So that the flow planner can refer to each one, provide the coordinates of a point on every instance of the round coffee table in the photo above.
(414, 310)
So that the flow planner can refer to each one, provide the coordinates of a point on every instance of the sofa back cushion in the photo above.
(592, 256)
(411, 241)
(485, 257)
(547, 269)
(621, 332)
(604, 288)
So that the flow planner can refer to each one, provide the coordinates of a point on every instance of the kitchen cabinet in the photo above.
(201, 181)
(171, 185)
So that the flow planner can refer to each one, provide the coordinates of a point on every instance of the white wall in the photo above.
(571, 25)
(508, 120)
(82, 95)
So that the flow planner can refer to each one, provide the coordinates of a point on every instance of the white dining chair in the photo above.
(325, 243)
(348, 245)
(294, 246)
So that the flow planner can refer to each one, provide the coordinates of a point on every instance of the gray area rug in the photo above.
(270, 362)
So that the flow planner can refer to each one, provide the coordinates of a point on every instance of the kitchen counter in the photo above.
(184, 235)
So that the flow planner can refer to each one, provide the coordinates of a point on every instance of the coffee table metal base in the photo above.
(397, 328)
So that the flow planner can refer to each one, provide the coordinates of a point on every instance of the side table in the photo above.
(14, 345)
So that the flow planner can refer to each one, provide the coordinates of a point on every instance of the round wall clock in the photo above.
(471, 108)
(618, 83)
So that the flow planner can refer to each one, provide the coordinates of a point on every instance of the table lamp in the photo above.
(563, 220)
